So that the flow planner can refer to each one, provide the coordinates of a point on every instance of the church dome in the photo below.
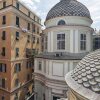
(87, 72)
(68, 8)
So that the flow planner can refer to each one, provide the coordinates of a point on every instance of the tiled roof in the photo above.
(87, 72)
(68, 8)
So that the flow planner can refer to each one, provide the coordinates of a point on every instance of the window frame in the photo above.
(4, 4)
(28, 26)
(61, 41)
(3, 67)
(17, 67)
(17, 5)
(3, 51)
(16, 82)
(61, 22)
(17, 21)
(39, 65)
(3, 35)
(46, 42)
(83, 42)
(17, 35)
(17, 52)
(3, 20)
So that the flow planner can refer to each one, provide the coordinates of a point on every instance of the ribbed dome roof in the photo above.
(68, 8)
(87, 72)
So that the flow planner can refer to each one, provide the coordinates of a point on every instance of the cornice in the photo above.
(42, 78)
(19, 12)
(84, 18)
(67, 27)
(18, 88)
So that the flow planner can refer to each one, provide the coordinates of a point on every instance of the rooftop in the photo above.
(61, 55)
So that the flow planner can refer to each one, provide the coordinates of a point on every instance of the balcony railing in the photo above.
(29, 96)
(30, 53)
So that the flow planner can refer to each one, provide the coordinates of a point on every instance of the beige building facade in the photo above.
(20, 31)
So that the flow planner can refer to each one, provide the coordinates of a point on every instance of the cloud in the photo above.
(31, 4)
(36, 0)
(94, 8)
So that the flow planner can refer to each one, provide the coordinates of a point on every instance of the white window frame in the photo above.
(61, 41)
(83, 42)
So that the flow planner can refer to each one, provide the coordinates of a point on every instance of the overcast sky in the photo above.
(41, 7)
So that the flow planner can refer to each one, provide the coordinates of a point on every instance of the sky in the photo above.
(42, 7)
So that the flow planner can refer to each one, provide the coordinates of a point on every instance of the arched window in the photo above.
(61, 22)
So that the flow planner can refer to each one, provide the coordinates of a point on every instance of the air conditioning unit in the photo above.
(58, 54)
(24, 30)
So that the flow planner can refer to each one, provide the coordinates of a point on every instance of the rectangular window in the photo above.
(38, 30)
(28, 27)
(0, 67)
(17, 21)
(37, 40)
(16, 97)
(46, 42)
(61, 41)
(17, 67)
(16, 82)
(44, 66)
(28, 38)
(96, 43)
(17, 35)
(3, 51)
(40, 66)
(38, 20)
(33, 28)
(2, 82)
(29, 14)
(3, 98)
(28, 77)
(3, 20)
(17, 52)
(33, 39)
(28, 65)
(83, 42)
(44, 97)
(17, 5)
(4, 4)
(4, 35)
(34, 18)
(3, 67)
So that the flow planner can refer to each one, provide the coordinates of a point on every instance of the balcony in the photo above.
(30, 53)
